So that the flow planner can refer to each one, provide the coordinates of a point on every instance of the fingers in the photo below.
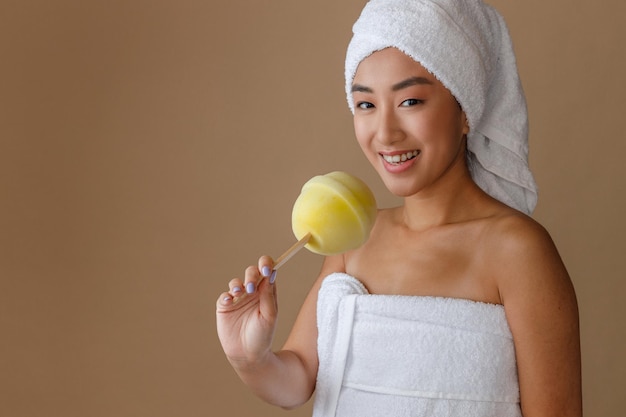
(268, 305)
(263, 270)
(224, 301)
(249, 285)
(266, 266)
(252, 278)
(235, 291)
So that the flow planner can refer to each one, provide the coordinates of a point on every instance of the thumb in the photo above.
(268, 301)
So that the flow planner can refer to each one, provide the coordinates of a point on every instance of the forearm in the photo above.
(280, 379)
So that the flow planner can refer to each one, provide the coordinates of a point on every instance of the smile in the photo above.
(400, 158)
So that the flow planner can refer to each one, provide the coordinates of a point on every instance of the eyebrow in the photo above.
(411, 81)
(396, 87)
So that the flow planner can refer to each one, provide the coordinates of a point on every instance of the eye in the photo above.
(364, 105)
(411, 102)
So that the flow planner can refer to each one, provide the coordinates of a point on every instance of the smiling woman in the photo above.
(440, 114)
(151, 150)
(408, 125)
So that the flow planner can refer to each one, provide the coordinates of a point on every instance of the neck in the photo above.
(452, 200)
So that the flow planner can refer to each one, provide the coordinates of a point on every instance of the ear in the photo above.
(465, 123)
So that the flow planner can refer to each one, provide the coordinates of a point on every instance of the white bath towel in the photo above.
(386, 355)
(466, 45)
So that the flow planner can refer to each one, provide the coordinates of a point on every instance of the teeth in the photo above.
(396, 159)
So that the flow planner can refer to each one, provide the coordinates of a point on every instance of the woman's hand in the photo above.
(246, 316)
(246, 322)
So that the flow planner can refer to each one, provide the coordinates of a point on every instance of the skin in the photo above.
(448, 239)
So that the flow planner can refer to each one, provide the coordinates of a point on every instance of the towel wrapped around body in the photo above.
(391, 355)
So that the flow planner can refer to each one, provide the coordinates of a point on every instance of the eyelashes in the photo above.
(365, 105)
(411, 102)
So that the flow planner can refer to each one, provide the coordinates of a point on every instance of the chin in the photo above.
(402, 193)
(400, 190)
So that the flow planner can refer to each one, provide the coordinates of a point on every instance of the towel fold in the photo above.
(411, 356)
(466, 45)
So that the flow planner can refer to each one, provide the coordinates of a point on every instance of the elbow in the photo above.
(298, 401)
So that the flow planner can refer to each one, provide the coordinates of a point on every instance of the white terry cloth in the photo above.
(466, 45)
(391, 355)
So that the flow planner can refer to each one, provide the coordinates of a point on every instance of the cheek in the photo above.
(364, 139)
(361, 133)
(443, 124)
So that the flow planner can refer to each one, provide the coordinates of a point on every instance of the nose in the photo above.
(388, 129)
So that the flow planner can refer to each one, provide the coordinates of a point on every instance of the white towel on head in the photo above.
(404, 356)
(466, 45)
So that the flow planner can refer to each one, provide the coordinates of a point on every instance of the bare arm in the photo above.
(542, 311)
(246, 324)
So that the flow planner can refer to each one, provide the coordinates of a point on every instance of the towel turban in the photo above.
(466, 45)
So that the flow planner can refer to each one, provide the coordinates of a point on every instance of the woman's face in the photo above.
(407, 123)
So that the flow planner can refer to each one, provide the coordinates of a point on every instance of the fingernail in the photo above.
(266, 271)
(226, 299)
(273, 277)
(250, 287)
(236, 289)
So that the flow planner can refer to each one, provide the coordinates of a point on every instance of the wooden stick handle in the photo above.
(282, 259)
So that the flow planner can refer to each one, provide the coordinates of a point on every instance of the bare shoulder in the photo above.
(522, 252)
(516, 231)
(541, 308)
(527, 266)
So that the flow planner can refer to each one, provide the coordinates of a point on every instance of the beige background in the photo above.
(150, 150)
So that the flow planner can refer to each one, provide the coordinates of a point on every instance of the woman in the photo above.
(458, 304)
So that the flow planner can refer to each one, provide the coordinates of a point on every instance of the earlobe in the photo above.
(465, 123)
